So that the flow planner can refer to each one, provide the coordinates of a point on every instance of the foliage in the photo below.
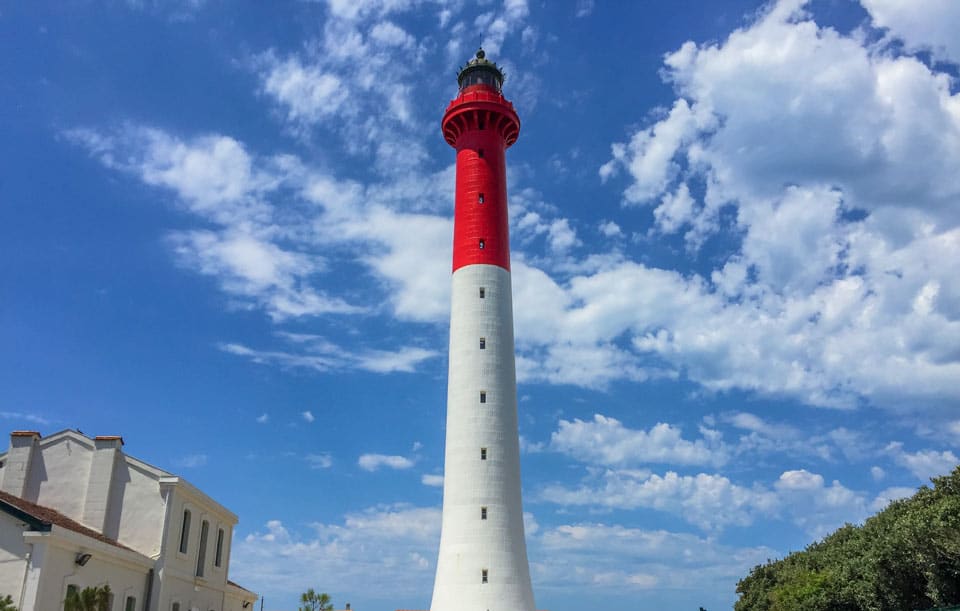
(6, 604)
(313, 601)
(905, 557)
(88, 599)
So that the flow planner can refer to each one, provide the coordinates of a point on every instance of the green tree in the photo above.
(96, 598)
(313, 601)
(905, 557)
(6, 604)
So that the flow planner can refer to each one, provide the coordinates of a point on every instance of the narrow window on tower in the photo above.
(480, 197)
(483, 576)
(483, 513)
(483, 454)
(483, 396)
(483, 292)
(483, 343)
(480, 153)
(482, 243)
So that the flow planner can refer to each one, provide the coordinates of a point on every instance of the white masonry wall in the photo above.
(468, 544)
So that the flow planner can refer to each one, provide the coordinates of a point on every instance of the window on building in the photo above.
(480, 153)
(482, 244)
(480, 197)
(483, 293)
(483, 513)
(175, 607)
(483, 576)
(218, 561)
(185, 531)
(202, 552)
(130, 604)
(483, 343)
(72, 590)
(483, 396)
(483, 454)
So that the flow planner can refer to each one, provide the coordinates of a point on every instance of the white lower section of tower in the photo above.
(482, 564)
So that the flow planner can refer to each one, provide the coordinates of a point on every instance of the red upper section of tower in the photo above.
(480, 124)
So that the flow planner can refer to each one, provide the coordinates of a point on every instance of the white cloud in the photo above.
(431, 479)
(924, 464)
(610, 229)
(932, 28)
(308, 94)
(496, 26)
(319, 461)
(711, 502)
(606, 441)
(314, 352)
(307, 416)
(795, 126)
(877, 473)
(816, 507)
(276, 560)
(263, 418)
(191, 461)
(26, 417)
(621, 558)
(886, 496)
(373, 462)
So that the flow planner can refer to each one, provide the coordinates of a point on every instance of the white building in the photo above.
(77, 512)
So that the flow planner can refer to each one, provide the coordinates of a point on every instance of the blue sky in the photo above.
(225, 231)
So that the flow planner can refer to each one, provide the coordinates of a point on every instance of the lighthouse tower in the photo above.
(482, 564)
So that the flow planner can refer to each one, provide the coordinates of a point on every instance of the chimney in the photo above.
(96, 505)
(16, 471)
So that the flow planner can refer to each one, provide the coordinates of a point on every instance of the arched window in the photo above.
(185, 531)
(218, 561)
(202, 553)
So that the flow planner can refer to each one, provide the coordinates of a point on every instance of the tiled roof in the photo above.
(45, 517)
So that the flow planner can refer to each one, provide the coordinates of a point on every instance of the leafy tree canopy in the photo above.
(906, 557)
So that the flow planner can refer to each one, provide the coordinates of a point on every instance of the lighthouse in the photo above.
(482, 562)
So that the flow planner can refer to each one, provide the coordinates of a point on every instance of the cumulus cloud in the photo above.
(924, 464)
(713, 502)
(816, 507)
(838, 159)
(710, 502)
(606, 441)
(279, 559)
(307, 416)
(932, 28)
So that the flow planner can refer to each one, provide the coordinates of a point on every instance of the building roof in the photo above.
(237, 585)
(43, 518)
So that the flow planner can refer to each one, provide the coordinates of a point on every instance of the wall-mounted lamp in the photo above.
(82, 558)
